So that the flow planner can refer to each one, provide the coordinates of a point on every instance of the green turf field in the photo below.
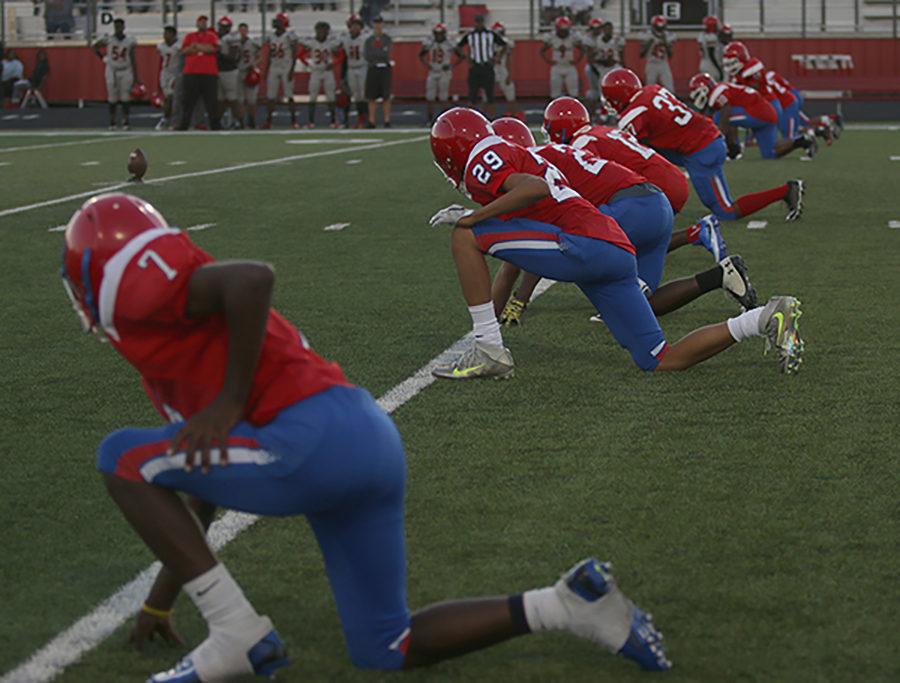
(755, 515)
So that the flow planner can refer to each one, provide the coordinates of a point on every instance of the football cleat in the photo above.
(710, 237)
(512, 312)
(736, 282)
(264, 659)
(809, 144)
(480, 361)
(837, 125)
(779, 324)
(794, 199)
(825, 131)
(598, 611)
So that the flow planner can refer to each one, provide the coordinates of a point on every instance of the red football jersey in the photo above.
(622, 147)
(742, 96)
(754, 75)
(661, 120)
(594, 178)
(781, 87)
(182, 361)
(494, 159)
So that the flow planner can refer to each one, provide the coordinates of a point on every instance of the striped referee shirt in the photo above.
(481, 45)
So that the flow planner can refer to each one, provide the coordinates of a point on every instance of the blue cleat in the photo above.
(264, 659)
(644, 644)
(710, 237)
(598, 611)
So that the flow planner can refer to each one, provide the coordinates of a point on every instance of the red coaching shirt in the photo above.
(621, 147)
(595, 179)
(661, 120)
(182, 361)
(493, 160)
(201, 62)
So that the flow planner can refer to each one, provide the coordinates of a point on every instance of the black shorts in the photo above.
(481, 77)
(378, 82)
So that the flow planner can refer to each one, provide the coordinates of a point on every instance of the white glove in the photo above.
(449, 215)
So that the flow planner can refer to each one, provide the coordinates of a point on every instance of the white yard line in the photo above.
(211, 171)
(52, 145)
(93, 628)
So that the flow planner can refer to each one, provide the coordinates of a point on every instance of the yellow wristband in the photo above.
(153, 612)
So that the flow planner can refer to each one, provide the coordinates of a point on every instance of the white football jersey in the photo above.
(657, 53)
(502, 53)
(604, 50)
(321, 53)
(353, 49)
(710, 40)
(282, 50)
(439, 53)
(563, 49)
(171, 58)
(118, 52)
(249, 51)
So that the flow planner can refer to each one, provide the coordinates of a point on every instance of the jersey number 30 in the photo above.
(151, 255)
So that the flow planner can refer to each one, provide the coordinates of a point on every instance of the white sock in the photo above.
(544, 611)
(222, 603)
(745, 325)
(485, 325)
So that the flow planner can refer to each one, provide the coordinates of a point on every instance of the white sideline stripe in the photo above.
(53, 145)
(210, 171)
(93, 628)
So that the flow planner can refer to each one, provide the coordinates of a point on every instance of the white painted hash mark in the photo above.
(353, 162)
(90, 163)
(200, 226)
(58, 228)
(93, 628)
(757, 225)
(894, 225)
(334, 227)
(177, 163)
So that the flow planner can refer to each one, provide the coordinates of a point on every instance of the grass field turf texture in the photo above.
(755, 515)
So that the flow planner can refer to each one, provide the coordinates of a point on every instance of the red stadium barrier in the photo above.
(866, 67)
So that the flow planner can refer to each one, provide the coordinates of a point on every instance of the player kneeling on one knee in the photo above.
(532, 218)
(258, 422)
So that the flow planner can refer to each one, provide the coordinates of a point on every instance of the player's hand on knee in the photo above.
(206, 431)
(449, 215)
(148, 626)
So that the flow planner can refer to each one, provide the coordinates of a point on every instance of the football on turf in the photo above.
(137, 166)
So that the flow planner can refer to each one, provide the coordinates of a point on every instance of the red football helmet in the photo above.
(711, 24)
(139, 91)
(595, 23)
(735, 57)
(619, 87)
(563, 117)
(225, 21)
(700, 86)
(156, 100)
(439, 28)
(283, 18)
(253, 77)
(453, 136)
(100, 228)
(563, 22)
(513, 130)
(498, 27)
(659, 22)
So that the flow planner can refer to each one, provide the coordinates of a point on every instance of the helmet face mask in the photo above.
(701, 86)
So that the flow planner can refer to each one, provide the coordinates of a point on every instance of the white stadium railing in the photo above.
(38, 21)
